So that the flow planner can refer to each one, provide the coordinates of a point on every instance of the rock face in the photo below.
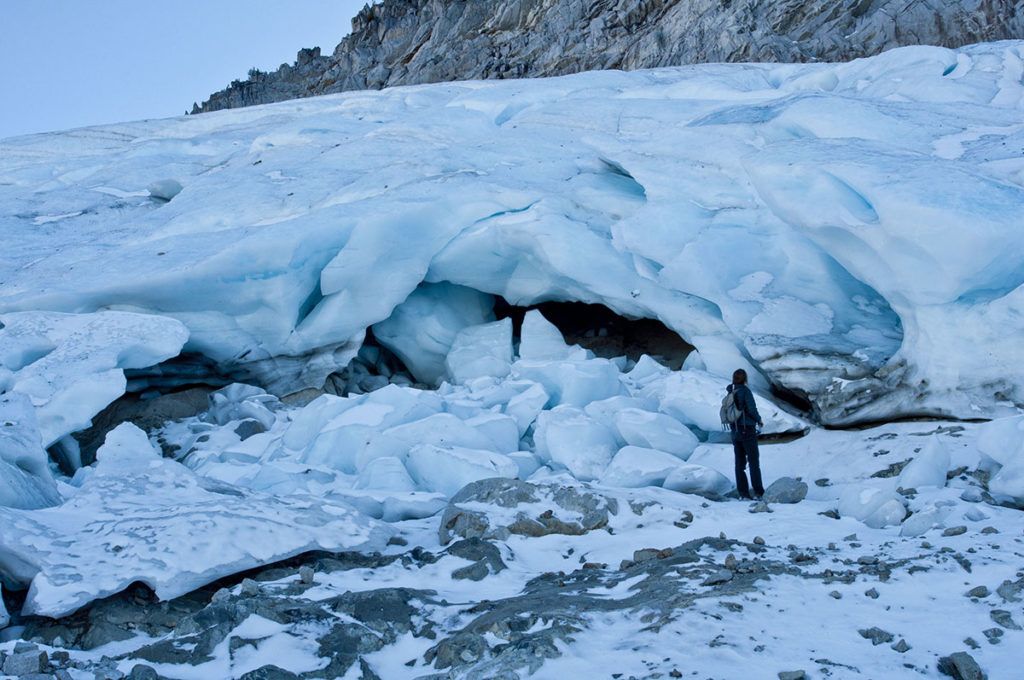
(406, 42)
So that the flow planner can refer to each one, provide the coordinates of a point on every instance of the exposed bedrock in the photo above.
(405, 42)
(849, 233)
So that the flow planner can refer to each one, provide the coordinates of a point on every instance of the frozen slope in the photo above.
(851, 231)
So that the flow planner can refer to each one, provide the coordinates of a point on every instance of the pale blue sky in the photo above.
(70, 63)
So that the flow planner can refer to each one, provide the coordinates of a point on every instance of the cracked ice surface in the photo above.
(850, 230)
(71, 365)
(140, 517)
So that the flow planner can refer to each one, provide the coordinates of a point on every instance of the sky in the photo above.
(72, 63)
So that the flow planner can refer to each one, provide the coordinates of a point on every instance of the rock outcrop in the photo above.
(406, 42)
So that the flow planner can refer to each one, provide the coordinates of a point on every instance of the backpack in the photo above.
(730, 411)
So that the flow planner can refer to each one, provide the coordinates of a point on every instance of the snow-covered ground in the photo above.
(508, 503)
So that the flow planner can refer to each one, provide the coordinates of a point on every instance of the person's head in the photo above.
(739, 377)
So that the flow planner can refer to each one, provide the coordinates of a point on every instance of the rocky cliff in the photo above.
(404, 42)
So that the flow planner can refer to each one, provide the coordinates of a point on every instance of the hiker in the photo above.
(740, 414)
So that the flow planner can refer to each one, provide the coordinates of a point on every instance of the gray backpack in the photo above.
(730, 411)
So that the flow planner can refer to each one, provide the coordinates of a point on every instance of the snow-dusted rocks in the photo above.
(139, 517)
(25, 479)
(496, 508)
(71, 366)
(802, 221)
(785, 490)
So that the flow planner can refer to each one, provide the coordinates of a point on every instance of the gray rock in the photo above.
(872, 593)
(248, 428)
(23, 663)
(955, 531)
(792, 675)
(759, 506)
(902, 647)
(876, 635)
(1010, 590)
(141, 671)
(486, 556)
(971, 494)
(269, 672)
(306, 575)
(147, 414)
(102, 632)
(718, 578)
(405, 42)
(589, 510)
(978, 591)
(993, 634)
(1004, 619)
(961, 666)
(785, 490)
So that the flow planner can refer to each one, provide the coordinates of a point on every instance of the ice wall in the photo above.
(849, 231)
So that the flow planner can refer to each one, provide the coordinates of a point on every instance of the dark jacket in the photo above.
(750, 419)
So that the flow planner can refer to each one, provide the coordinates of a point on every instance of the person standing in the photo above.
(744, 436)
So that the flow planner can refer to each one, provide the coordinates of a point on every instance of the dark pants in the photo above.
(744, 447)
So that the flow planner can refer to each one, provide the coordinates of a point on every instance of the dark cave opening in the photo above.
(605, 333)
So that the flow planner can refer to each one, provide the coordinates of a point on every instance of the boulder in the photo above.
(785, 490)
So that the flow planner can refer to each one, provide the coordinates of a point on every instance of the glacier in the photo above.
(355, 284)
(847, 232)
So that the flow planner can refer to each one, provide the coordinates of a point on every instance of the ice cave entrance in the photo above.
(410, 347)
(603, 332)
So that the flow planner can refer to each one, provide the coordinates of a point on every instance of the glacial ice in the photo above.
(846, 231)
(4, 616)
(876, 506)
(1002, 441)
(698, 479)
(635, 466)
(567, 437)
(928, 468)
(482, 351)
(448, 469)
(25, 479)
(654, 431)
(695, 398)
(422, 329)
(846, 243)
(71, 366)
(141, 517)
(541, 340)
(572, 383)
